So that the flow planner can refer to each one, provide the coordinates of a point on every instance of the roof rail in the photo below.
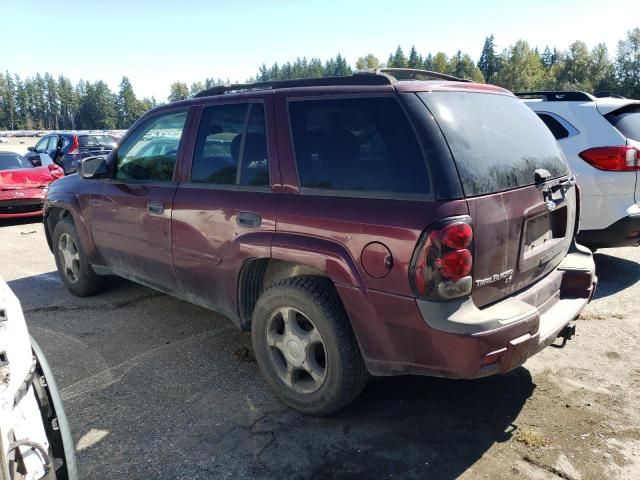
(368, 78)
(412, 73)
(558, 96)
(607, 93)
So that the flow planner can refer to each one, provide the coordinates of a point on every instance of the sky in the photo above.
(157, 42)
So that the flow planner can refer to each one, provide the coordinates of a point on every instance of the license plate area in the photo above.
(543, 236)
(546, 227)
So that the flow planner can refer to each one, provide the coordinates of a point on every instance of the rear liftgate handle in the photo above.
(249, 219)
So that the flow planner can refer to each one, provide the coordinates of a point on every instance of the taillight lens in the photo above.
(443, 261)
(612, 159)
(75, 146)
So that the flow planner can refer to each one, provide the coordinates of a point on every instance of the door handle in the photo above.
(249, 219)
(156, 208)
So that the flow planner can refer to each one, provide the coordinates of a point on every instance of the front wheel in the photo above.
(73, 266)
(305, 347)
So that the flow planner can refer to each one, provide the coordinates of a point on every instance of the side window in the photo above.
(231, 146)
(555, 126)
(358, 145)
(41, 146)
(141, 157)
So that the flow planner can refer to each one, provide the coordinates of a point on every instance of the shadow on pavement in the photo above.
(414, 427)
(614, 274)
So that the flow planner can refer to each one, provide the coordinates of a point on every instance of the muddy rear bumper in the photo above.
(459, 340)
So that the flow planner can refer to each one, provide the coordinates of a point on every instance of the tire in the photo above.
(79, 278)
(322, 370)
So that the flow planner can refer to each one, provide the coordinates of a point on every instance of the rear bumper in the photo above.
(623, 233)
(459, 340)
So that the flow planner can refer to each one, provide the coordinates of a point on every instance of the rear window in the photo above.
(360, 145)
(497, 141)
(13, 161)
(627, 121)
(90, 141)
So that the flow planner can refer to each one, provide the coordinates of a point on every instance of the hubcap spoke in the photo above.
(69, 257)
(296, 349)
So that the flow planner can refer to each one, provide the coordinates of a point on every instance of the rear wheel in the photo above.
(73, 266)
(305, 348)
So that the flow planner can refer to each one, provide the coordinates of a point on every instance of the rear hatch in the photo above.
(624, 116)
(520, 194)
(95, 145)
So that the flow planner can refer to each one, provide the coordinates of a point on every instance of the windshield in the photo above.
(497, 142)
(627, 121)
(13, 161)
(96, 141)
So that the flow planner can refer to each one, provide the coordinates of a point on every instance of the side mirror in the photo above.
(31, 149)
(94, 167)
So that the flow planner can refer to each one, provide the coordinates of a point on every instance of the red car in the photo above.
(22, 186)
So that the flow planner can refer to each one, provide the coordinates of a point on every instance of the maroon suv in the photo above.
(356, 225)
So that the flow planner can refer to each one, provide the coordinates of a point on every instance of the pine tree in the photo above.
(399, 59)
(415, 60)
(489, 63)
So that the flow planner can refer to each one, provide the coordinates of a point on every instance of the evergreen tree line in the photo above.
(43, 102)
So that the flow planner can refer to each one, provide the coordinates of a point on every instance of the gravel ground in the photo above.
(157, 388)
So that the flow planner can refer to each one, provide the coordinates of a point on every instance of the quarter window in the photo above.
(150, 152)
(231, 146)
(555, 126)
(357, 145)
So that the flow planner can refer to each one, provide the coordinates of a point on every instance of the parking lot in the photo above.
(157, 388)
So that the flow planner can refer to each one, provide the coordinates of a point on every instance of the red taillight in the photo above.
(443, 261)
(455, 265)
(612, 159)
(75, 146)
(457, 235)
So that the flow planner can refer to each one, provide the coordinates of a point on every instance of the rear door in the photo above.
(515, 178)
(224, 210)
(131, 212)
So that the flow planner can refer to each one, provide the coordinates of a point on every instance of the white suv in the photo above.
(600, 138)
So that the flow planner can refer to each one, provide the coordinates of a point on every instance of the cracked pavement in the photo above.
(158, 388)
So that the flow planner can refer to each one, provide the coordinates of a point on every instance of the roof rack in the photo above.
(413, 73)
(558, 96)
(369, 78)
(380, 76)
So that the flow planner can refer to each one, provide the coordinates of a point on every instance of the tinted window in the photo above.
(91, 141)
(627, 121)
(12, 161)
(41, 146)
(497, 141)
(554, 125)
(357, 144)
(136, 161)
(222, 145)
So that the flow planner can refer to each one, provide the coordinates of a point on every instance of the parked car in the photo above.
(67, 149)
(600, 138)
(22, 186)
(4, 140)
(356, 225)
(35, 439)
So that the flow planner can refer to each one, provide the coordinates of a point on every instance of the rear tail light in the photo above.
(75, 146)
(612, 159)
(442, 263)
